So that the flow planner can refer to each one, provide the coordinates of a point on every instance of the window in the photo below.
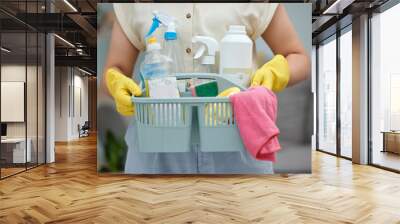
(22, 75)
(327, 96)
(385, 89)
(346, 92)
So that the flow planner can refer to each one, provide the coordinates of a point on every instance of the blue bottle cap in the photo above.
(170, 36)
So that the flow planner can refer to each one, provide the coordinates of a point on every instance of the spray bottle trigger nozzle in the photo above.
(200, 52)
(153, 27)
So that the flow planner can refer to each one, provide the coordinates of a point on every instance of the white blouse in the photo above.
(209, 19)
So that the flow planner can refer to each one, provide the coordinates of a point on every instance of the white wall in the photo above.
(71, 93)
(33, 126)
(61, 103)
(80, 100)
(12, 73)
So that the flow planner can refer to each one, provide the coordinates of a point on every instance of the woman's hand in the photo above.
(274, 75)
(119, 65)
(282, 38)
(122, 89)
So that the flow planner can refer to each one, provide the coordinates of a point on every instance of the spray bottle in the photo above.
(209, 47)
(172, 49)
(154, 65)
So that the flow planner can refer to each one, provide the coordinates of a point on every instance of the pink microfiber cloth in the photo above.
(255, 114)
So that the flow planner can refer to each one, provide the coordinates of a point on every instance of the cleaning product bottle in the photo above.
(172, 49)
(210, 45)
(154, 65)
(159, 19)
(236, 55)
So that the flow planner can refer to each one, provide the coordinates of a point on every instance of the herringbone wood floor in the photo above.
(70, 191)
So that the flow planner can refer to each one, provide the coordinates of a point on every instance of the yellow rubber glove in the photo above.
(229, 91)
(273, 75)
(220, 113)
(122, 89)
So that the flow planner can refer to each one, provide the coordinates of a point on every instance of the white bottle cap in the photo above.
(153, 44)
(237, 29)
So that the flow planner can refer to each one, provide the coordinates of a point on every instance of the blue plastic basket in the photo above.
(165, 125)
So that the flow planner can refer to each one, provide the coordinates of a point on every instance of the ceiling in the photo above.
(16, 42)
(331, 15)
(72, 20)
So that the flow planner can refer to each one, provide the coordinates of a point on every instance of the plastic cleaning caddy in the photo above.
(187, 123)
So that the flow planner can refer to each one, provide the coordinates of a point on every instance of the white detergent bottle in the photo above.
(206, 52)
(236, 55)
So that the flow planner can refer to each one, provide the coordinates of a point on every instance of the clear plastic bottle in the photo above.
(173, 50)
(155, 64)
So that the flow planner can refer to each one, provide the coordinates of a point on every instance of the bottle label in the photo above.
(155, 70)
(239, 76)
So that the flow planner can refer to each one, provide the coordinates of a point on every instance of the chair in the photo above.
(84, 130)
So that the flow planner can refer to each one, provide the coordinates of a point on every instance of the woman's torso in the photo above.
(208, 19)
